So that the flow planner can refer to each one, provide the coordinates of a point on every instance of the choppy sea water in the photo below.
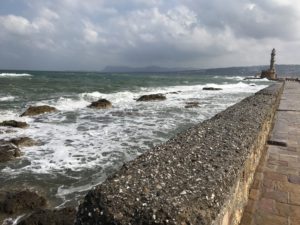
(79, 147)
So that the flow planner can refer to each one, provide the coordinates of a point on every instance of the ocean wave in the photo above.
(259, 80)
(127, 99)
(7, 98)
(15, 75)
(93, 140)
(238, 78)
(68, 104)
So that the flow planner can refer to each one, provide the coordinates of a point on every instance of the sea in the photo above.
(79, 147)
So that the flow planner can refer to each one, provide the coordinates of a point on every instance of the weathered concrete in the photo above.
(275, 194)
(201, 176)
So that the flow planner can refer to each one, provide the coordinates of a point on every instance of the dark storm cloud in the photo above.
(74, 34)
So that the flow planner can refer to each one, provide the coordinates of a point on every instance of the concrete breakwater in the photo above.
(201, 176)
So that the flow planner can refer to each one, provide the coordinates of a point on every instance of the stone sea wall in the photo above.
(201, 176)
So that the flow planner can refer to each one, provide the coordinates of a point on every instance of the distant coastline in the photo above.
(282, 70)
(243, 70)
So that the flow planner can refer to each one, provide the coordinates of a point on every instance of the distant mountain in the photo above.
(282, 70)
(241, 71)
(148, 69)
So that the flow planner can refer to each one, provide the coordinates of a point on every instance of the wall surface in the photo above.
(201, 176)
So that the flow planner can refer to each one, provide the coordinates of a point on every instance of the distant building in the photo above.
(271, 72)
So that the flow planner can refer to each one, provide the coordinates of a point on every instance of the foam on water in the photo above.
(260, 80)
(238, 78)
(77, 139)
(15, 75)
(93, 132)
(7, 98)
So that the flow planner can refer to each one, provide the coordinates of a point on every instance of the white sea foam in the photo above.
(69, 104)
(79, 139)
(259, 80)
(237, 78)
(13, 115)
(7, 98)
(15, 75)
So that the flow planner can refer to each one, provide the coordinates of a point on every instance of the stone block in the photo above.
(266, 205)
(294, 198)
(294, 179)
(266, 219)
(275, 176)
(278, 196)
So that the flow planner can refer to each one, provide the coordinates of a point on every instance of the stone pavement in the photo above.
(274, 197)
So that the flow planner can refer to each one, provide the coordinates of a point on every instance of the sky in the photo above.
(92, 34)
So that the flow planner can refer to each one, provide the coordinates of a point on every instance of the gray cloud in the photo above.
(87, 35)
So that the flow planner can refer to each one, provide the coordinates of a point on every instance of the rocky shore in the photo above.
(190, 178)
(186, 180)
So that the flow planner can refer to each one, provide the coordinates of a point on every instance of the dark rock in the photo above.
(37, 110)
(192, 104)
(8, 151)
(211, 89)
(152, 97)
(20, 201)
(13, 123)
(101, 104)
(174, 92)
(64, 216)
(23, 142)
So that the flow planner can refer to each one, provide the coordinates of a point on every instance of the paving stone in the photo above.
(295, 211)
(275, 176)
(256, 184)
(247, 219)
(254, 194)
(275, 197)
(269, 219)
(266, 204)
(294, 221)
(250, 207)
(295, 165)
(294, 179)
(278, 196)
(294, 198)
(287, 170)
(282, 209)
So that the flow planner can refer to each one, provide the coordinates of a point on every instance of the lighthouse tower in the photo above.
(271, 72)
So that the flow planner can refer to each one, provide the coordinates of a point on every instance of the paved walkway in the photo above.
(275, 194)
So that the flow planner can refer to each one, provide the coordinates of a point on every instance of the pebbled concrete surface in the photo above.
(186, 180)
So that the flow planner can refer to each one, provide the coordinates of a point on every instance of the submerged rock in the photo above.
(13, 123)
(20, 201)
(64, 216)
(8, 151)
(174, 92)
(23, 142)
(37, 110)
(101, 104)
(152, 97)
(211, 89)
(192, 104)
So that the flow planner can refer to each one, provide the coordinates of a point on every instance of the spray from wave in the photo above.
(15, 75)
(7, 98)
